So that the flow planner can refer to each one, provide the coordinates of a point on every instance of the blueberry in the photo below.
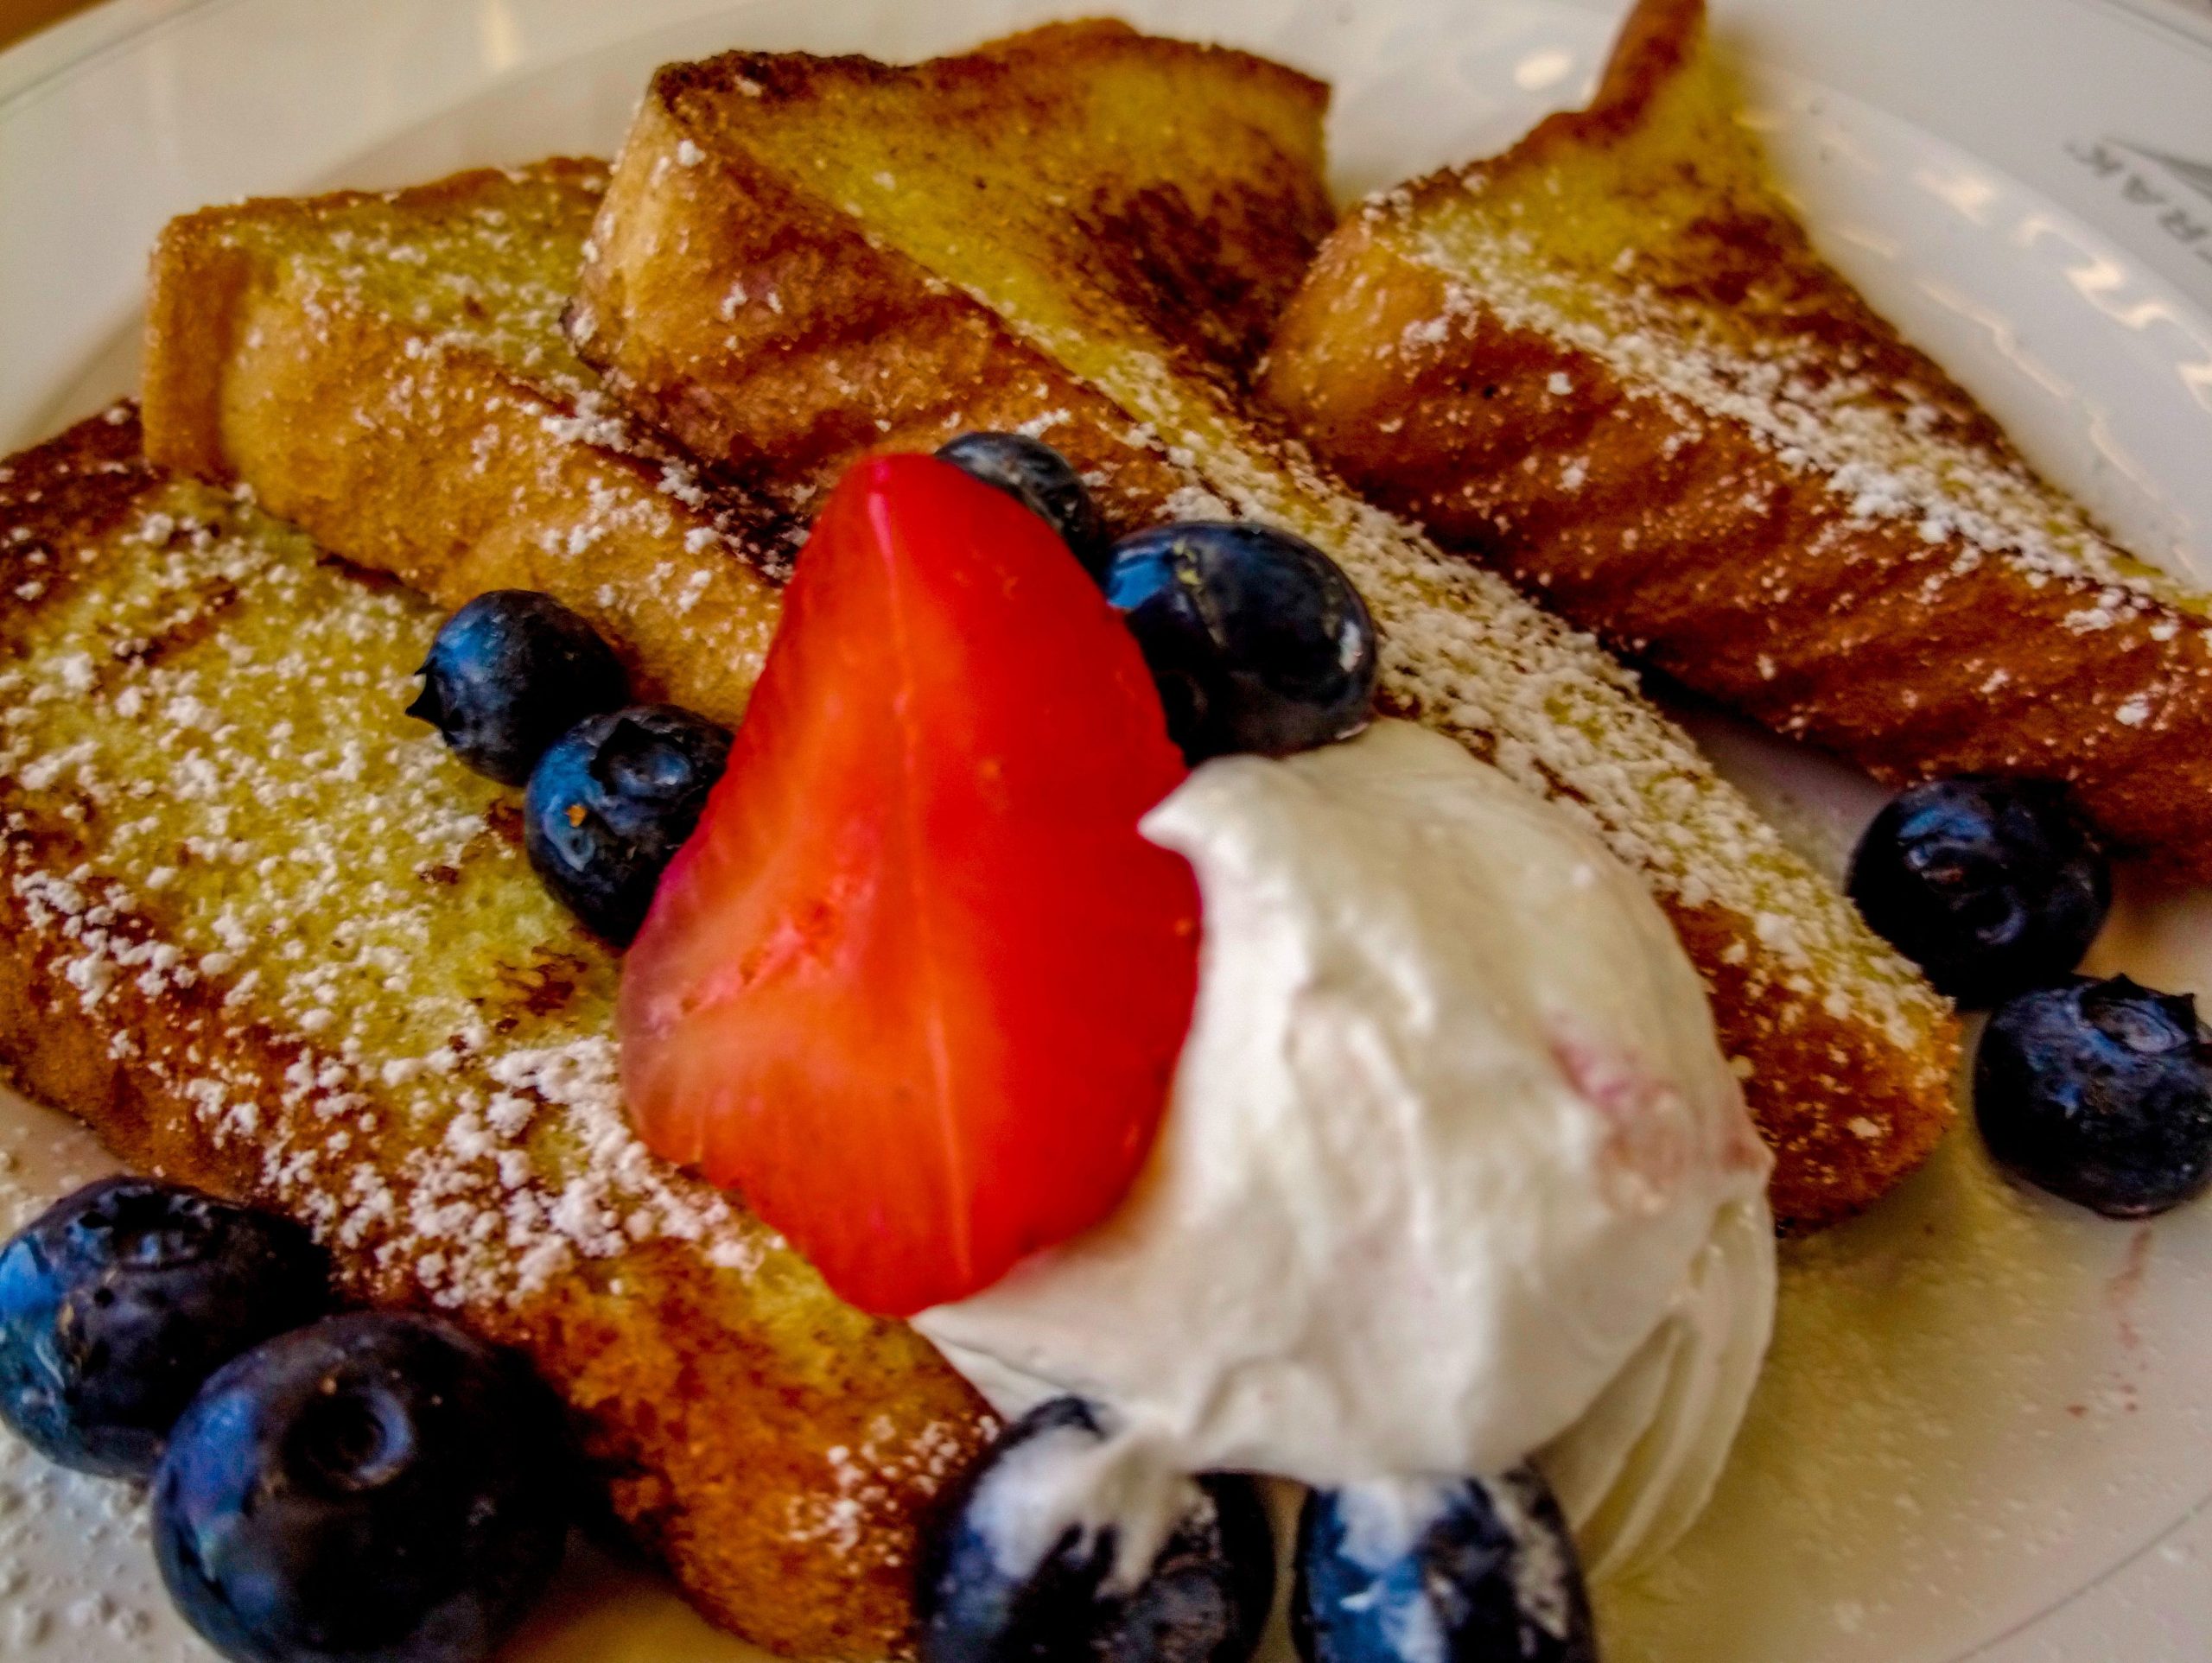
(1023, 1564)
(118, 1301)
(1256, 640)
(509, 673)
(1991, 885)
(612, 801)
(1438, 1570)
(2097, 1091)
(1041, 480)
(378, 1488)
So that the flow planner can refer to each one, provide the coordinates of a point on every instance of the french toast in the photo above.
(802, 258)
(1610, 363)
(262, 934)
(388, 372)
(343, 353)
(1196, 172)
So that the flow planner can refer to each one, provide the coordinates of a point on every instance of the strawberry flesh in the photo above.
(916, 987)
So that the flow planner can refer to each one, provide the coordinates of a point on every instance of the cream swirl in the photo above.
(1454, 1172)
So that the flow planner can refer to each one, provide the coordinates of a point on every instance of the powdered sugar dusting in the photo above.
(1884, 448)
(1462, 651)
(1466, 655)
(1729, 318)
(264, 840)
(869, 1482)
(474, 277)
(48, 1615)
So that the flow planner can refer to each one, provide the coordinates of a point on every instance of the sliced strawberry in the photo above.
(916, 986)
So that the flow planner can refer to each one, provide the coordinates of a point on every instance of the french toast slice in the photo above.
(1610, 363)
(265, 936)
(1184, 176)
(388, 372)
(786, 239)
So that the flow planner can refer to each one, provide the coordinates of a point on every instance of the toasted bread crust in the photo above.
(1920, 602)
(776, 1449)
(854, 357)
(1223, 237)
(413, 448)
(832, 349)
(1849, 1102)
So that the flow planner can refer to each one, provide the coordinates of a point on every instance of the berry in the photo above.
(612, 801)
(1025, 1562)
(118, 1301)
(379, 1487)
(2097, 1091)
(1042, 480)
(509, 673)
(918, 985)
(1422, 1570)
(1991, 887)
(1258, 642)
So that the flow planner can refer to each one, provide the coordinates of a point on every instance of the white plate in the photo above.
(1987, 1429)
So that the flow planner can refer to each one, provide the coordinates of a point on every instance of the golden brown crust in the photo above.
(1219, 241)
(1847, 1109)
(712, 1450)
(856, 356)
(776, 1449)
(1851, 1104)
(1657, 42)
(427, 449)
(1665, 515)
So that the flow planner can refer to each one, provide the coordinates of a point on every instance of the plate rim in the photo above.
(77, 45)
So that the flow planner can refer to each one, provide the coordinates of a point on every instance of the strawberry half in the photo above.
(916, 987)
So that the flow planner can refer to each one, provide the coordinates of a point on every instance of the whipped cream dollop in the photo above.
(1454, 1172)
